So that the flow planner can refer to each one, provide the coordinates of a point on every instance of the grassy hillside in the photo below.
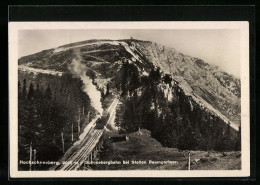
(142, 147)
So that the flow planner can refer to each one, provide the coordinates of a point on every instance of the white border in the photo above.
(14, 27)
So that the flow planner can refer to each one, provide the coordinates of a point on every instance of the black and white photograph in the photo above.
(166, 99)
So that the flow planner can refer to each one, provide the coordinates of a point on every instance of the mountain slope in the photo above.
(208, 85)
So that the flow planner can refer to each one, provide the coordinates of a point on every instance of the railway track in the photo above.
(78, 158)
(90, 142)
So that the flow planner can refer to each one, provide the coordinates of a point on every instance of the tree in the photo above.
(155, 75)
(24, 93)
(225, 142)
(38, 91)
(125, 74)
(91, 74)
(48, 93)
(41, 117)
(19, 90)
(134, 81)
(107, 89)
(238, 140)
(167, 79)
(30, 92)
(188, 139)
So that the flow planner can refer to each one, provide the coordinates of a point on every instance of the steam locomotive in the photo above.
(102, 121)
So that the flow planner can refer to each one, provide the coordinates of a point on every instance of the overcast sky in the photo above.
(220, 47)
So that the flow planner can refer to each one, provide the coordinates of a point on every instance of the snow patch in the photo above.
(129, 50)
(36, 71)
(59, 49)
(144, 73)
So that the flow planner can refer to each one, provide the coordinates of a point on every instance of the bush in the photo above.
(224, 154)
(214, 159)
(204, 160)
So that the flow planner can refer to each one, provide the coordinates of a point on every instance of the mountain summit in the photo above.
(208, 85)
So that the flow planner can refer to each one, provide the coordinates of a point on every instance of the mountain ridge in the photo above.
(105, 57)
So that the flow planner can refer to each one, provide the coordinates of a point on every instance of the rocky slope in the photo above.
(208, 85)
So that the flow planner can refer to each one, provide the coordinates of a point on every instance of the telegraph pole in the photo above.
(72, 137)
(30, 163)
(62, 141)
(88, 117)
(189, 162)
(79, 123)
(34, 158)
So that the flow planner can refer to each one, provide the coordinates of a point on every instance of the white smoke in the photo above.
(79, 71)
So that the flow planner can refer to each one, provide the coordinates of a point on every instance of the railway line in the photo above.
(91, 144)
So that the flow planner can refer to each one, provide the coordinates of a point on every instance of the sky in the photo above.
(219, 47)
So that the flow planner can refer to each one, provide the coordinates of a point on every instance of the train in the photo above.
(102, 121)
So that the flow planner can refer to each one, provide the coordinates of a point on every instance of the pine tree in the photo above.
(48, 93)
(189, 139)
(30, 92)
(134, 81)
(124, 85)
(24, 93)
(167, 79)
(19, 90)
(107, 89)
(37, 92)
(91, 74)
(155, 75)
(238, 140)
(226, 141)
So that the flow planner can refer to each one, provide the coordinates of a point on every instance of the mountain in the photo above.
(209, 86)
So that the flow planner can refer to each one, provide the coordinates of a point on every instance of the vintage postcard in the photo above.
(129, 99)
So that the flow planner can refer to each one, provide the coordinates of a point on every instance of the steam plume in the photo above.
(79, 71)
